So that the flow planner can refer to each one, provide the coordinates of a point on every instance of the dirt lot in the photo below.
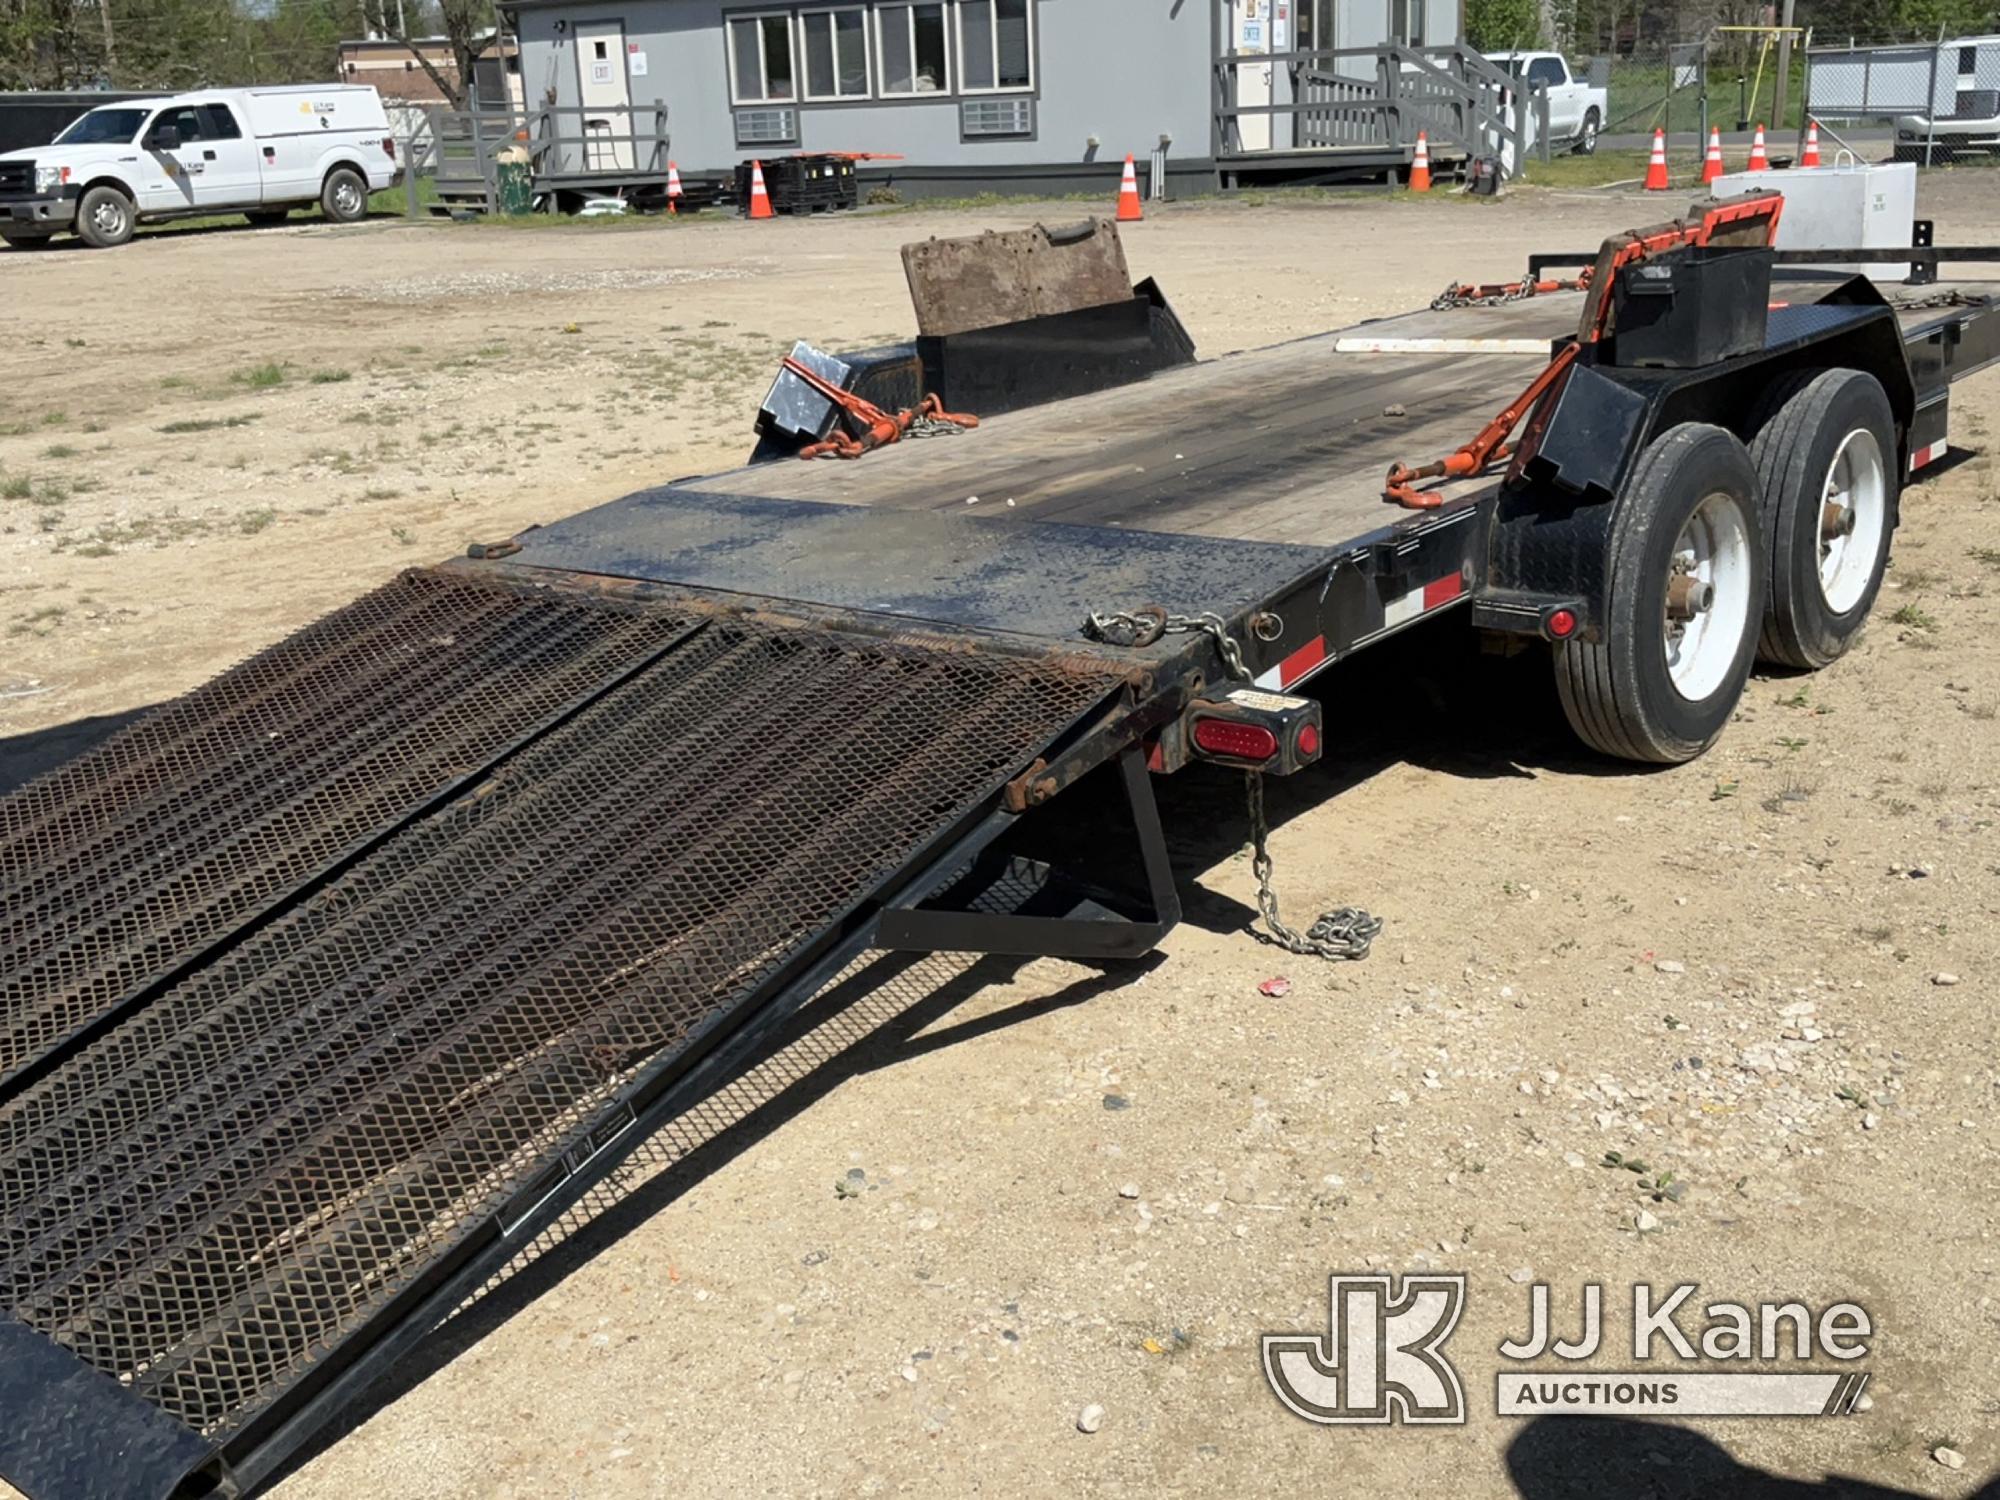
(973, 1198)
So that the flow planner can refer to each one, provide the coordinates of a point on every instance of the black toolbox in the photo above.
(805, 183)
(1694, 308)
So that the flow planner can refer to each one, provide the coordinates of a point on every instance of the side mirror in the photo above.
(165, 138)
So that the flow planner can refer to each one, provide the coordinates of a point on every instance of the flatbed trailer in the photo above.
(328, 987)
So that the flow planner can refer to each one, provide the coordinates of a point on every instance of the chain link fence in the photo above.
(1934, 103)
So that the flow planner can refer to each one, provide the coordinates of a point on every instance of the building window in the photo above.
(760, 56)
(914, 49)
(996, 45)
(836, 51)
(1406, 22)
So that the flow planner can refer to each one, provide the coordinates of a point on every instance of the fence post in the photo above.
(1930, 104)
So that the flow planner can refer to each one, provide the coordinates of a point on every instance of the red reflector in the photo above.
(1236, 740)
(389, 146)
(1562, 624)
(1309, 742)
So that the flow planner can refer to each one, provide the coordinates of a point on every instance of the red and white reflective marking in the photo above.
(1924, 457)
(1303, 662)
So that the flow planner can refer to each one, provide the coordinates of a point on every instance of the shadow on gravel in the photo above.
(23, 757)
(1608, 1458)
(880, 1013)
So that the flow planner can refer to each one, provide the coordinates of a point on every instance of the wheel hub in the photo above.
(1854, 517)
(1706, 611)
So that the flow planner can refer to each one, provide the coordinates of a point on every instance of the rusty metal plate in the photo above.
(985, 280)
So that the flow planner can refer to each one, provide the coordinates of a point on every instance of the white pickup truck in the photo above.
(259, 152)
(1576, 110)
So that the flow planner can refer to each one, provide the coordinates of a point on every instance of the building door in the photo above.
(606, 95)
(1250, 33)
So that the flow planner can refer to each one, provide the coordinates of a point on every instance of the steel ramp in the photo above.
(327, 985)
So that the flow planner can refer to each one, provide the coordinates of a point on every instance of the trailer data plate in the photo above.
(324, 979)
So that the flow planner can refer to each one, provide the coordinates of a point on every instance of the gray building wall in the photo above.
(1125, 72)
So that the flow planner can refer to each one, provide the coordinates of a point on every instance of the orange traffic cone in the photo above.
(673, 188)
(1129, 211)
(1810, 156)
(1656, 169)
(1420, 165)
(1758, 161)
(760, 198)
(1711, 165)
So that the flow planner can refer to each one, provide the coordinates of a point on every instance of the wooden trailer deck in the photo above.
(1285, 444)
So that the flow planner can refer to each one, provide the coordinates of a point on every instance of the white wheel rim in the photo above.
(1711, 571)
(345, 199)
(1852, 520)
(108, 217)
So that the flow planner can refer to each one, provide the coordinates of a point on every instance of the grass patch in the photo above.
(174, 382)
(206, 424)
(1914, 617)
(261, 377)
(253, 521)
(330, 377)
(59, 450)
(16, 487)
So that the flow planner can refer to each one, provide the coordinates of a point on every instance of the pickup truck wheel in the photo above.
(1684, 597)
(1827, 461)
(26, 241)
(266, 215)
(344, 196)
(1586, 140)
(104, 217)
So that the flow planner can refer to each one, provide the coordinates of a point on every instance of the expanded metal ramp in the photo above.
(320, 988)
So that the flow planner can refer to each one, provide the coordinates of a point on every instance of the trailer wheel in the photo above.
(1684, 595)
(1827, 460)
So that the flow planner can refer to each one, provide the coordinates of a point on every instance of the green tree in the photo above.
(1503, 25)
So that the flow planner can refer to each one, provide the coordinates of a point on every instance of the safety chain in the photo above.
(1459, 295)
(1344, 933)
(1949, 298)
(1145, 625)
(923, 427)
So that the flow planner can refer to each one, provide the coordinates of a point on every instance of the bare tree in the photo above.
(469, 27)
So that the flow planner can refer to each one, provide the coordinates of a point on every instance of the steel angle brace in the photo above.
(932, 929)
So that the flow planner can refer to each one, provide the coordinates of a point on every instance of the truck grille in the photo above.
(17, 179)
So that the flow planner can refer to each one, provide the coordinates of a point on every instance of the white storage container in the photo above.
(1849, 205)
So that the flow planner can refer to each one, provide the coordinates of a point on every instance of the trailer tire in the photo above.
(1831, 436)
(1646, 687)
(343, 197)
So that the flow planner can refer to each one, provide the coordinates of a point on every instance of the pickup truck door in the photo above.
(165, 182)
(1565, 115)
(231, 175)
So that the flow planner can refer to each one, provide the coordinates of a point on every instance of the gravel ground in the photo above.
(996, 1227)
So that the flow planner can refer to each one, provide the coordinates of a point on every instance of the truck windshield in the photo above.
(103, 127)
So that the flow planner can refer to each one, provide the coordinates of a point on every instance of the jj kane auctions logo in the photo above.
(1382, 1359)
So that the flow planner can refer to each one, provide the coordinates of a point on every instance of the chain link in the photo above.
(924, 427)
(1142, 627)
(1344, 933)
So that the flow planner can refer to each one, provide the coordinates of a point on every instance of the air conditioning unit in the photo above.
(997, 117)
(767, 127)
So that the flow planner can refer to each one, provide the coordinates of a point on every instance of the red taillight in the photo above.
(389, 147)
(1309, 742)
(1561, 624)
(1234, 739)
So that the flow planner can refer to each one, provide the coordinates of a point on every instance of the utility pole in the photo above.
(1784, 66)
